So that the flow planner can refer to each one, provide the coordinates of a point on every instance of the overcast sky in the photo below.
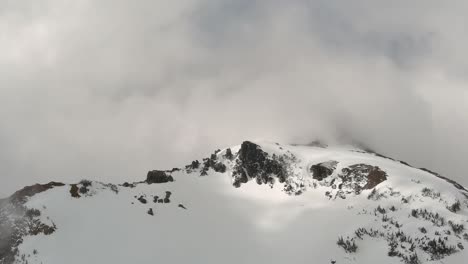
(110, 89)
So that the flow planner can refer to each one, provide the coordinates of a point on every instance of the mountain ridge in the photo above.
(367, 184)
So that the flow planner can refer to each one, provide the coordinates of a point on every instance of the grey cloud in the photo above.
(110, 89)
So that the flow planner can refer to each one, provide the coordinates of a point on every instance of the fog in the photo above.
(108, 90)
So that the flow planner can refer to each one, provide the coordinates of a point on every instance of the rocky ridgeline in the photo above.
(438, 236)
(18, 221)
(251, 162)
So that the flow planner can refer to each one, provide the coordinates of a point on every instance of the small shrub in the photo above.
(405, 199)
(375, 195)
(426, 192)
(456, 228)
(455, 207)
(348, 245)
(412, 259)
(86, 183)
(381, 210)
(438, 249)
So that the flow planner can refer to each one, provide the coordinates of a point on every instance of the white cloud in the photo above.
(111, 89)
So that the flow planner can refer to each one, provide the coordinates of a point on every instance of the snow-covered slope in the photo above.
(254, 203)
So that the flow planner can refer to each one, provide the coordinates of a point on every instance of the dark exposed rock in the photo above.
(375, 177)
(155, 199)
(253, 162)
(150, 211)
(213, 163)
(228, 155)
(219, 167)
(29, 191)
(405, 163)
(355, 179)
(322, 170)
(128, 185)
(83, 190)
(359, 173)
(85, 183)
(174, 169)
(193, 166)
(157, 176)
(167, 198)
(454, 183)
(182, 206)
(17, 221)
(74, 191)
(142, 200)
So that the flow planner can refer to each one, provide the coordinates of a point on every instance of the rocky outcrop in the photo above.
(21, 196)
(168, 196)
(360, 177)
(212, 163)
(150, 211)
(74, 191)
(322, 170)
(253, 162)
(157, 176)
(17, 221)
(374, 178)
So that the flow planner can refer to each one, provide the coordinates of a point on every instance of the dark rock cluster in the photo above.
(363, 173)
(193, 166)
(213, 163)
(157, 176)
(253, 162)
(166, 199)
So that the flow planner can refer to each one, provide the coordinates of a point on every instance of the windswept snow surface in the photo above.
(208, 220)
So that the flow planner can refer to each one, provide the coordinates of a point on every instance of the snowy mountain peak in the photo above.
(256, 202)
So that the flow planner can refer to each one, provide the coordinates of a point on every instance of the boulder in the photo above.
(157, 176)
(322, 170)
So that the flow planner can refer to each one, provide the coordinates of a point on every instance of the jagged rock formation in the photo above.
(253, 162)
